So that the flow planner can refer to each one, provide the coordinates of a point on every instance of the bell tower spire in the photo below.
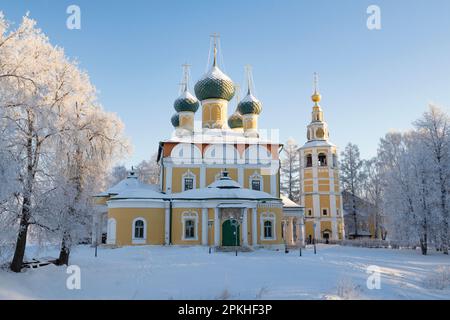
(317, 129)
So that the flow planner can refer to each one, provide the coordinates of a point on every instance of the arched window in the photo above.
(268, 221)
(308, 161)
(139, 231)
(268, 232)
(322, 160)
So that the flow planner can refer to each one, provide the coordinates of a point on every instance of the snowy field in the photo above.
(191, 273)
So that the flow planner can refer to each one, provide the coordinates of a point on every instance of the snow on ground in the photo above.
(156, 272)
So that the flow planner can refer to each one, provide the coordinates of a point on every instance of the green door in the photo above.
(229, 236)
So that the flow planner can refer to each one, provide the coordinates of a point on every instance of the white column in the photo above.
(301, 232)
(241, 176)
(244, 228)
(334, 229)
(167, 226)
(204, 226)
(202, 176)
(216, 227)
(254, 227)
(169, 180)
(273, 185)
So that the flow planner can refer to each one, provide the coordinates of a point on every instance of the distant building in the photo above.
(369, 224)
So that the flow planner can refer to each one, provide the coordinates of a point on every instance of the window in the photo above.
(256, 185)
(188, 184)
(256, 181)
(189, 229)
(322, 160)
(190, 225)
(268, 226)
(139, 229)
(309, 161)
(268, 230)
(309, 212)
(188, 181)
(325, 212)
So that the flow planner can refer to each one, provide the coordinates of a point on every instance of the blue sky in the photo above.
(371, 81)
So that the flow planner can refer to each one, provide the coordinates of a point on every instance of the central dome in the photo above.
(214, 85)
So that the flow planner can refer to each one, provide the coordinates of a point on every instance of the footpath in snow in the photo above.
(154, 272)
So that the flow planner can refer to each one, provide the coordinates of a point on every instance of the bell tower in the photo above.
(319, 174)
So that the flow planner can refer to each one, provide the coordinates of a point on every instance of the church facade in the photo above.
(219, 184)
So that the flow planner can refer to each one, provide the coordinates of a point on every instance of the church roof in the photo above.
(132, 187)
(224, 188)
(317, 143)
(288, 203)
(224, 136)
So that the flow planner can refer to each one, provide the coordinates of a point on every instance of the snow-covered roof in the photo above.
(131, 187)
(224, 188)
(288, 203)
(317, 143)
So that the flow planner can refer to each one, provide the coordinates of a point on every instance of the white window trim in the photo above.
(139, 240)
(189, 215)
(188, 175)
(328, 212)
(256, 176)
(268, 216)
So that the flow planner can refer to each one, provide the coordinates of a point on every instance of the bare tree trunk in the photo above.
(64, 253)
(445, 232)
(19, 253)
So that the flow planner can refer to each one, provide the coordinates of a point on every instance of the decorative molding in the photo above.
(268, 216)
(185, 216)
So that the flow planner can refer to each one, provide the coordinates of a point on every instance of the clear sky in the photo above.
(371, 81)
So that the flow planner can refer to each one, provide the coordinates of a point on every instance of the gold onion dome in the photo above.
(186, 102)
(175, 120)
(316, 97)
(235, 121)
(214, 85)
(249, 105)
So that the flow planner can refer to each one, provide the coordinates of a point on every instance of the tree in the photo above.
(149, 171)
(435, 135)
(61, 152)
(117, 174)
(352, 175)
(373, 193)
(290, 171)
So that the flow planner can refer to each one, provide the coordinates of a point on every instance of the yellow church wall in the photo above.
(100, 200)
(308, 188)
(124, 217)
(307, 174)
(177, 174)
(308, 201)
(325, 225)
(323, 174)
(309, 229)
(177, 226)
(325, 202)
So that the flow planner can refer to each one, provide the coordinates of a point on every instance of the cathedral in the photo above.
(220, 181)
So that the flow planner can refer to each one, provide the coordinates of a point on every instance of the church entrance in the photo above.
(231, 233)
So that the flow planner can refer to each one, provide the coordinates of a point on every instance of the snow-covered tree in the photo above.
(290, 171)
(434, 134)
(352, 176)
(58, 150)
(117, 174)
(148, 171)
